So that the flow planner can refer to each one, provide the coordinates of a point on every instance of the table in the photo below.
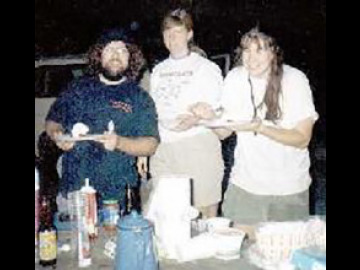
(68, 261)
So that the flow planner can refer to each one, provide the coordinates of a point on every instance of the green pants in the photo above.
(246, 208)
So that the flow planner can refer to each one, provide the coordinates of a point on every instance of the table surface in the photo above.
(68, 260)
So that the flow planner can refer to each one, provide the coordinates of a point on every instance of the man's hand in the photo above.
(109, 140)
(142, 166)
(54, 130)
(64, 145)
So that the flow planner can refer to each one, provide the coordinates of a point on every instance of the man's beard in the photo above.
(111, 76)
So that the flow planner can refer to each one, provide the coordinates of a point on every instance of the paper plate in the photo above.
(219, 123)
(69, 138)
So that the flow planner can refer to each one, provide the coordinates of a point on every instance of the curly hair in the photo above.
(137, 62)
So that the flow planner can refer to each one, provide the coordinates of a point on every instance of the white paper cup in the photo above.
(229, 242)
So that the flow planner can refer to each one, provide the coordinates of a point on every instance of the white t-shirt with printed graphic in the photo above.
(264, 166)
(177, 84)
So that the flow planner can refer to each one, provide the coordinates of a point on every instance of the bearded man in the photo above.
(110, 104)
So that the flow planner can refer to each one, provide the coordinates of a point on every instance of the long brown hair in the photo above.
(273, 88)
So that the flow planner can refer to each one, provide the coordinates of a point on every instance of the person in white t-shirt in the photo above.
(272, 106)
(186, 89)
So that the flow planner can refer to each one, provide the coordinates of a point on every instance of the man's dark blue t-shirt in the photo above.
(95, 104)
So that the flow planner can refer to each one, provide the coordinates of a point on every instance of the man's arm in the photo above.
(142, 146)
(53, 129)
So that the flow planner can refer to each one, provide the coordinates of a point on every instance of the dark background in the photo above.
(71, 26)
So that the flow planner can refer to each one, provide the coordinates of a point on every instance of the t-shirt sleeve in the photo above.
(57, 112)
(232, 98)
(209, 85)
(66, 109)
(298, 99)
(146, 118)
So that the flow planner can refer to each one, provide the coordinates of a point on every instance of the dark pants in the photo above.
(227, 147)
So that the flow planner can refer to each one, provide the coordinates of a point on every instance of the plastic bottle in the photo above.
(83, 244)
(90, 204)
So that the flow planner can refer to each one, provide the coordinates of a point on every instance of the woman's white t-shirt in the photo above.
(263, 166)
(177, 84)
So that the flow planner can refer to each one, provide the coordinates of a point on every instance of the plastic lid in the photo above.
(87, 188)
(134, 221)
(110, 202)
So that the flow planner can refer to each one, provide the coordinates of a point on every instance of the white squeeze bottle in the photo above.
(84, 253)
(91, 216)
